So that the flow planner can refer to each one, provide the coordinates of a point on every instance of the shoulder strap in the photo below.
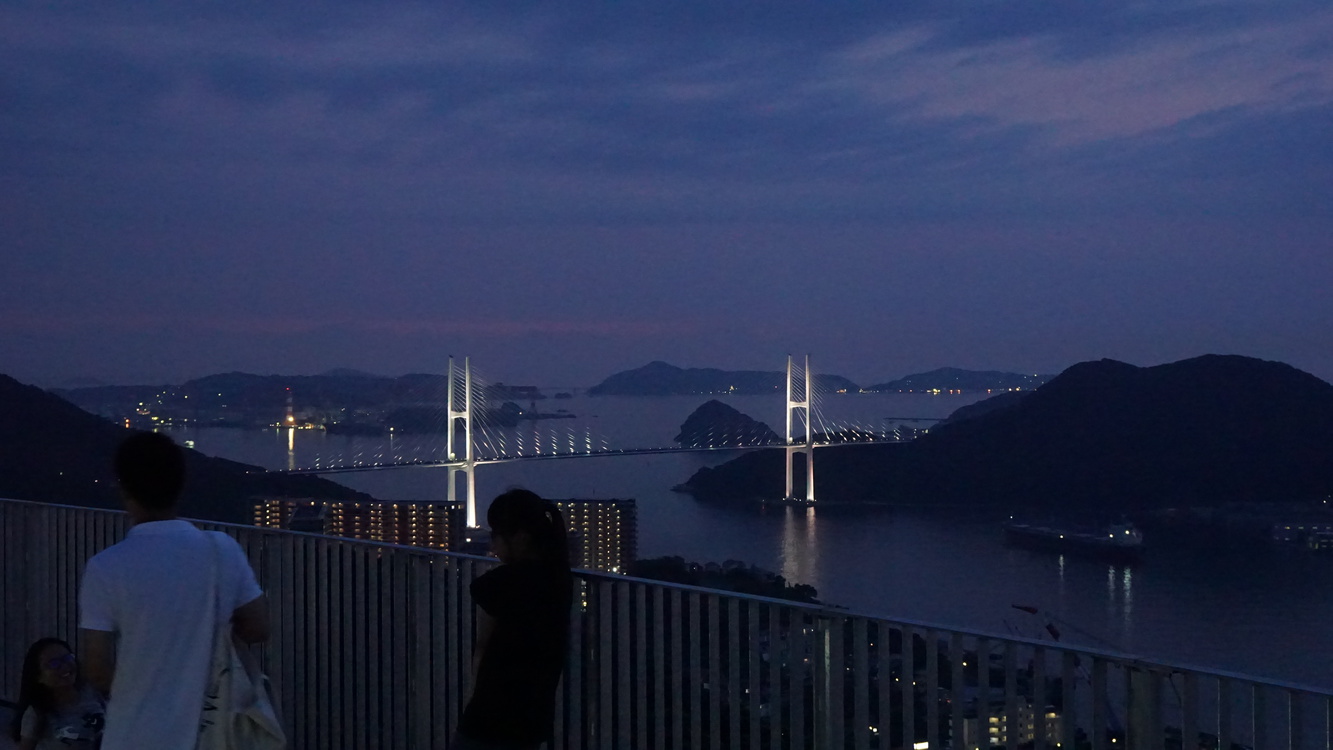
(215, 543)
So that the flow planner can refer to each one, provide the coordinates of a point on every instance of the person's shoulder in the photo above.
(496, 575)
(503, 570)
(28, 722)
(499, 578)
(536, 575)
(221, 538)
(520, 573)
(542, 569)
(229, 551)
(223, 542)
(110, 556)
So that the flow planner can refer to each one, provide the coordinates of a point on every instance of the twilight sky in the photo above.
(563, 192)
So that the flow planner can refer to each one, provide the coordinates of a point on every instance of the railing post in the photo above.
(372, 645)
(1145, 709)
(1069, 700)
(907, 688)
(957, 689)
(1098, 727)
(1039, 698)
(1189, 712)
(819, 662)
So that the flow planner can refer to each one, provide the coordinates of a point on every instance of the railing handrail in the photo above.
(823, 611)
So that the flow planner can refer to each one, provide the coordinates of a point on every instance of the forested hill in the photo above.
(1102, 435)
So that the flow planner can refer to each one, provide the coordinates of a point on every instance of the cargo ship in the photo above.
(1119, 542)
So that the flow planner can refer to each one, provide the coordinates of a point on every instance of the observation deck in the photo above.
(371, 649)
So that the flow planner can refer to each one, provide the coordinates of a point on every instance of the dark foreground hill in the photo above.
(662, 379)
(53, 451)
(1100, 436)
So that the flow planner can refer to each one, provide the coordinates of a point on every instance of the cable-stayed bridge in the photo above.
(479, 432)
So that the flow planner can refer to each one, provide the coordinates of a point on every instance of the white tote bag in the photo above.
(238, 712)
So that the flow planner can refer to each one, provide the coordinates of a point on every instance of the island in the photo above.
(714, 424)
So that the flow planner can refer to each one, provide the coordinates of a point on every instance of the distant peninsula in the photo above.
(1102, 436)
(955, 380)
(54, 452)
(662, 379)
(346, 401)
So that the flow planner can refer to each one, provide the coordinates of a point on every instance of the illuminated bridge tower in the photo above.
(803, 406)
(468, 464)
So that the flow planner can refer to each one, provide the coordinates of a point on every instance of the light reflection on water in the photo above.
(800, 559)
(1119, 606)
(1256, 611)
(1127, 600)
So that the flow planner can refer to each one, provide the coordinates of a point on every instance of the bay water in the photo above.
(1256, 609)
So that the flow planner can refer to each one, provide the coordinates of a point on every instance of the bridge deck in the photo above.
(380, 466)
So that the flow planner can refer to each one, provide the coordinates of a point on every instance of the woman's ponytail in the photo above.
(557, 536)
(523, 510)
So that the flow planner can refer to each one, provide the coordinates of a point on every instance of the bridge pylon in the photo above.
(802, 405)
(469, 463)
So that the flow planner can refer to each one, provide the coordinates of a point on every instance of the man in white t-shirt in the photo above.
(146, 616)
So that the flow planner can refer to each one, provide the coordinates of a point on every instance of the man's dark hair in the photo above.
(151, 469)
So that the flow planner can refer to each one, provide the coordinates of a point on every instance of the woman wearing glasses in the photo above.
(57, 710)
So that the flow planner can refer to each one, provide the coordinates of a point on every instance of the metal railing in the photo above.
(372, 644)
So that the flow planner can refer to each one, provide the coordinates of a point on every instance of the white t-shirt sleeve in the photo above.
(242, 587)
(95, 611)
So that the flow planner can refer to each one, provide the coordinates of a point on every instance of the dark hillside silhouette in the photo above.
(1102, 435)
(53, 451)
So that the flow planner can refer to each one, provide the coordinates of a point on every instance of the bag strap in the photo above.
(218, 620)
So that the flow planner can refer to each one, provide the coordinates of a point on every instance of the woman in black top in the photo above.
(522, 627)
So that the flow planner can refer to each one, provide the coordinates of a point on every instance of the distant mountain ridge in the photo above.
(52, 451)
(956, 379)
(243, 399)
(245, 391)
(1102, 435)
(341, 386)
(347, 372)
(661, 379)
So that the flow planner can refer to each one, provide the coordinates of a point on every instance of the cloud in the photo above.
(486, 114)
(1155, 84)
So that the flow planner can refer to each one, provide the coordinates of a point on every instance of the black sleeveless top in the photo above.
(514, 697)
